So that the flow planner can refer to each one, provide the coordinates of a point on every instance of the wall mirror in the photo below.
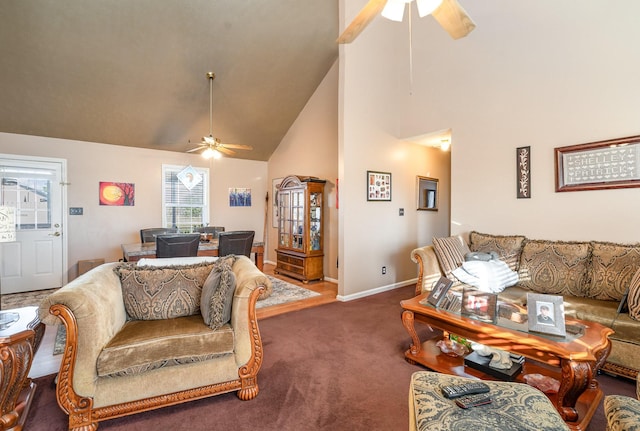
(427, 189)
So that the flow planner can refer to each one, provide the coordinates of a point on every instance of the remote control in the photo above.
(473, 400)
(455, 391)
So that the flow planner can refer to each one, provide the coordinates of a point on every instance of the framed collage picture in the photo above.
(378, 186)
(479, 305)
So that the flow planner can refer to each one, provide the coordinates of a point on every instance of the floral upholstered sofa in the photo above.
(143, 337)
(591, 276)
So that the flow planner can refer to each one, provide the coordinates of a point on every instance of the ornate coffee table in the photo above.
(20, 335)
(573, 361)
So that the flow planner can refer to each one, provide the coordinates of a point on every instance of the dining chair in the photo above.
(177, 245)
(149, 234)
(235, 242)
(214, 230)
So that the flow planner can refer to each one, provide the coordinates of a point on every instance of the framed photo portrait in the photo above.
(439, 291)
(378, 186)
(479, 305)
(546, 314)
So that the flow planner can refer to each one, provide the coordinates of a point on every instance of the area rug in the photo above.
(283, 292)
(25, 299)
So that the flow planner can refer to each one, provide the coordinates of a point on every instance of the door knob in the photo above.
(55, 234)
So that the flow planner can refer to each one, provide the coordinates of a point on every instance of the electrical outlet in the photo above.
(384, 270)
(401, 211)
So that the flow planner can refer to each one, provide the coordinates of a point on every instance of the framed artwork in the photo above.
(275, 217)
(239, 197)
(609, 164)
(546, 313)
(117, 194)
(378, 186)
(479, 305)
(523, 166)
(439, 291)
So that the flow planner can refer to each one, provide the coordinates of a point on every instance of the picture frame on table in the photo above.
(439, 291)
(479, 305)
(546, 314)
(378, 186)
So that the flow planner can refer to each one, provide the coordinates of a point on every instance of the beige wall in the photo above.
(100, 231)
(310, 148)
(542, 74)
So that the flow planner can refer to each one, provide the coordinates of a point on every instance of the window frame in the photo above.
(175, 169)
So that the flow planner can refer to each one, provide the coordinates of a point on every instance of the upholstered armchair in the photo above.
(623, 413)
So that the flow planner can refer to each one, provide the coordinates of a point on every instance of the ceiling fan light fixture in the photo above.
(394, 9)
(209, 153)
(425, 7)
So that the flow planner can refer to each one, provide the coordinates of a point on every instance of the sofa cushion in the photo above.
(162, 292)
(633, 300)
(450, 252)
(217, 293)
(612, 267)
(144, 345)
(555, 267)
(508, 247)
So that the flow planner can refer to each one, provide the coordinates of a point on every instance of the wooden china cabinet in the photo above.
(300, 233)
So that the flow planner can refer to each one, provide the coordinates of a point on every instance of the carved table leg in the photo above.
(576, 376)
(408, 323)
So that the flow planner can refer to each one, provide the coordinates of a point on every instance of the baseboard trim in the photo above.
(364, 294)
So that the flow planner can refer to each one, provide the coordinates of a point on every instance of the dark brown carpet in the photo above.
(338, 366)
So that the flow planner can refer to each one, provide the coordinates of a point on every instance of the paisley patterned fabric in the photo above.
(555, 267)
(507, 247)
(612, 267)
(152, 293)
(623, 413)
(217, 293)
(514, 407)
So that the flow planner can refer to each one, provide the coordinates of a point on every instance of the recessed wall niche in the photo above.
(427, 191)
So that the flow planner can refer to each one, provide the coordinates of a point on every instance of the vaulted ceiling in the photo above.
(133, 72)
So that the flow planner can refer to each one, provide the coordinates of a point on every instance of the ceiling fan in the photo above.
(449, 14)
(210, 146)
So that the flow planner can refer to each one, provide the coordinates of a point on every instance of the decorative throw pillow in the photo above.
(152, 293)
(555, 267)
(450, 252)
(612, 267)
(633, 300)
(217, 294)
(508, 247)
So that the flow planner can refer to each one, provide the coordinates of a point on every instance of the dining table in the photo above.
(136, 251)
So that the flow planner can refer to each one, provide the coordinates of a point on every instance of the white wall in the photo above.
(372, 97)
(535, 73)
(539, 73)
(310, 148)
(102, 229)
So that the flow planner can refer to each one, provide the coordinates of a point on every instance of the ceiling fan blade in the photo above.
(454, 19)
(364, 17)
(238, 146)
(193, 150)
(225, 150)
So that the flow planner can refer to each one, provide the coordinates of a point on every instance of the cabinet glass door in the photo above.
(315, 222)
(297, 219)
(285, 220)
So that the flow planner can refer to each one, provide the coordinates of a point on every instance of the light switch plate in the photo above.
(75, 210)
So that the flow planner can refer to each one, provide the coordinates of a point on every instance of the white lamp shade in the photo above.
(425, 7)
(394, 9)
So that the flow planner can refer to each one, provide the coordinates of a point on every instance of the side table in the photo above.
(20, 335)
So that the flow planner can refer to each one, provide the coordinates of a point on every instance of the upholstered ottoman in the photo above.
(623, 413)
(514, 407)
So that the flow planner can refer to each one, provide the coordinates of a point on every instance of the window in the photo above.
(185, 207)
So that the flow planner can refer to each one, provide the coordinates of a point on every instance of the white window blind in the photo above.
(184, 208)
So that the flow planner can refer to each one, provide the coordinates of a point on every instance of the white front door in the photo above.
(33, 186)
